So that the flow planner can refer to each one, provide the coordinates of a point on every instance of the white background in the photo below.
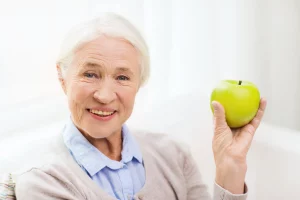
(193, 45)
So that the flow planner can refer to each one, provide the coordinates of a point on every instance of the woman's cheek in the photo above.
(79, 97)
(79, 112)
(129, 99)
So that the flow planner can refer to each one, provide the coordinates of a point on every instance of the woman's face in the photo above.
(101, 85)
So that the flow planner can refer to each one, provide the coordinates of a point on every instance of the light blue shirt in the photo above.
(121, 179)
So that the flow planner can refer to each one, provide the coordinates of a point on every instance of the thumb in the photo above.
(219, 115)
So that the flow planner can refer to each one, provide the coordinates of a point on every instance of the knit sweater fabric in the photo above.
(171, 173)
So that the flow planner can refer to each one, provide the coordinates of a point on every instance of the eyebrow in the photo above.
(95, 65)
(91, 65)
(124, 69)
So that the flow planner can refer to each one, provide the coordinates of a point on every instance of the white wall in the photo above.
(283, 54)
(193, 44)
(194, 50)
(269, 54)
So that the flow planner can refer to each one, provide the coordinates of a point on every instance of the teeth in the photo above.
(99, 112)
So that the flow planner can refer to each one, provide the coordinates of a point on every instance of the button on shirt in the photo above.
(121, 179)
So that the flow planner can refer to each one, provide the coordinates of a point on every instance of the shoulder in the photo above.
(159, 140)
(39, 183)
(39, 156)
(48, 174)
(33, 183)
(40, 173)
(162, 144)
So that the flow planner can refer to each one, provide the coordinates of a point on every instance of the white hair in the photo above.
(108, 24)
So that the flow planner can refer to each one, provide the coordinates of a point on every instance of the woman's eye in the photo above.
(122, 78)
(90, 75)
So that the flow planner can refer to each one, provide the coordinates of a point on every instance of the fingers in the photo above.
(260, 113)
(219, 115)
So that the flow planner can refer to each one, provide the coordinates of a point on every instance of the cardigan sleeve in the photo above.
(197, 190)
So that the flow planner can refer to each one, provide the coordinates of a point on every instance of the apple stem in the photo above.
(240, 82)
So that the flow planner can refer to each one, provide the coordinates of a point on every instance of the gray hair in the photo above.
(108, 24)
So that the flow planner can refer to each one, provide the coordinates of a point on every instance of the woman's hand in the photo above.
(230, 148)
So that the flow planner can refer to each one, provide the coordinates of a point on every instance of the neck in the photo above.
(110, 146)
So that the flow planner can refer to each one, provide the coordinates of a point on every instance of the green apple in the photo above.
(240, 100)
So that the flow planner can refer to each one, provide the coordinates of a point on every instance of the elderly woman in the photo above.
(102, 66)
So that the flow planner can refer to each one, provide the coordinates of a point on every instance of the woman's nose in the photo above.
(105, 93)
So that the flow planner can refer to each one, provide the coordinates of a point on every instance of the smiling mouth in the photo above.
(101, 113)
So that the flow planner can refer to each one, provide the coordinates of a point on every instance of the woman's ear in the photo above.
(61, 78)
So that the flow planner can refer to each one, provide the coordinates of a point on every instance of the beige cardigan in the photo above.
(171, 173)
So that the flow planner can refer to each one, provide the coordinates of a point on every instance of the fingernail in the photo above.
(214, 105)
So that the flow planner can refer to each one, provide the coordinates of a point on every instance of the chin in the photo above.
(102, 132)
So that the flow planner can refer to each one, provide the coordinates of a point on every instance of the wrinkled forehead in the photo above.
(114, 52)
(109, 47)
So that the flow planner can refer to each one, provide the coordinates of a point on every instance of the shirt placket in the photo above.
(127, 183)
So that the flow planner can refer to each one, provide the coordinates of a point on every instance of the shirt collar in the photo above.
(90, 157)
(130, 147)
